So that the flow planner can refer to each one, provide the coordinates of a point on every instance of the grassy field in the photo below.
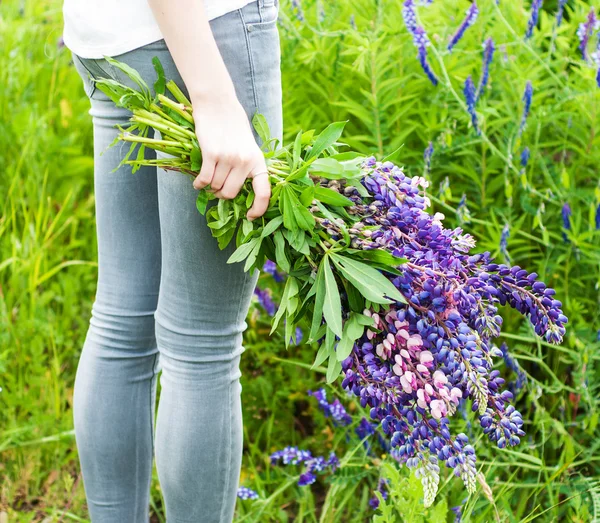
(353, 60)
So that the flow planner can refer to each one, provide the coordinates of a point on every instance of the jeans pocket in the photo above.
(86, 75)
(261, 15)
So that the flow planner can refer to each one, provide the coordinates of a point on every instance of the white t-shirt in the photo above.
(97, 28)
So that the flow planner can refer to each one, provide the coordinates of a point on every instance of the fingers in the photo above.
(234, 182)
(262, 195)
(222, 171)
(206, 172)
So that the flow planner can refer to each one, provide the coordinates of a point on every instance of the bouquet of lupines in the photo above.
(394, 299)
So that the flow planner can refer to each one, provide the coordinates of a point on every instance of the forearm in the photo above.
(186, 30)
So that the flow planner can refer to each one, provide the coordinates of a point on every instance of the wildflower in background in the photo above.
(458, 511)
(462, 211)
(293, 455)
(527, 96)
(297, 7)
(488, 54)
(352, 21)
(421, 42)
(512, 364)
(410, 16)
(566, 218)
(598, 217)
(525, 157)
(533, 17)
(381, 487)
(246, 493)
(504, 241)
(469, 20)
(427, 157)
(585, 31)
(265, 300)
(271, 268)
(560, 12)
(299, 335)
(334, 410)
(469, 91)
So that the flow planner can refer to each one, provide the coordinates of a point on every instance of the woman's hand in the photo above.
(230, 153)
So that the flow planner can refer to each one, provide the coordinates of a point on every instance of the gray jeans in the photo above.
(167, 301)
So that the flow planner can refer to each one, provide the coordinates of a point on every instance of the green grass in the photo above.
(371, 77)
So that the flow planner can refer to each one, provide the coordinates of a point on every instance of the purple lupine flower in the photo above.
(525, 157)
(297, 8)
(469, 92)
(334, 410)
(271, 268)
(513, 365)
(598, 217)
(299, 335)
(60, 43)
(265, 300)
(533, 17)
(560, 12)
(421, 42)
(504, 241)
(246, 493)
(427, 154)
(527, 96)
(410, 16)
(488, 54)
(469, 20)
(585, 31)
(566, 219)
(290, 455)
(458, 510)
(382, 488)
(352, 21)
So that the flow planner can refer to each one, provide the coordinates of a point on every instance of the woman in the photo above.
(164, 287)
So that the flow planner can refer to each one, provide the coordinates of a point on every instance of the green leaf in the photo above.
(161, 82)
(331, 197)
(332, 305)
(202, 201)
(271, 226)
(327, 168)
(296, 151)
(131, 73)
(307, 196)
(333, 369)
(242, 252)
(369, 281)
(259, 122)
(379, 256)
(319, 286)
(353, 329)
(195, 159)
(280, 255)
(328, 137)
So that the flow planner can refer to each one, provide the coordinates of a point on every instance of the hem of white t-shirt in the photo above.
(86, 51)
(143, 38)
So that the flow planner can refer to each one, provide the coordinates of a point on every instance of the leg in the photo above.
(115, 383)
(203, 304)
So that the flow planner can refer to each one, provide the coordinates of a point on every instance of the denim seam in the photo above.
(250, 60)
(230, 397)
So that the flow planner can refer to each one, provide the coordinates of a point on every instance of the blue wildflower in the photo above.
(469, 91)
(410, 16)
(246, 493)
(297, 7)
(525, 157)
(271, 268)
(513, 365)
(381, 487)
(334, 410)
(560, 12)
(265, 300)
(585, 31)
(566, 218)
(469, 20)
(527, 96)
(421, 41)
(533, 17)
(504, 240)
(488, 54)
(598, 217)
(427, 157)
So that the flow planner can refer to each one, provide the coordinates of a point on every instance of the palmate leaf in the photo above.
(373, 285)
(332, 305)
